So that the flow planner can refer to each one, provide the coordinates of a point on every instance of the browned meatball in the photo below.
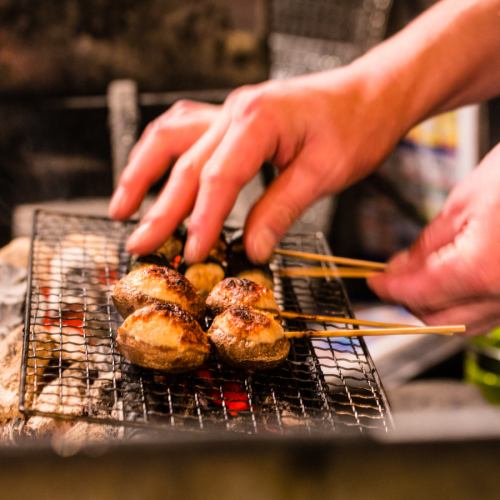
(258, 276)
(150, 284)
(248, 338)
(204, 276)
(242, 292)
(163, 337)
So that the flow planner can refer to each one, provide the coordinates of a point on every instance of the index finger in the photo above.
(163, 141)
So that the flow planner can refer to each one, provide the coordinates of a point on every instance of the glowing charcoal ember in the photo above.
(236, 398)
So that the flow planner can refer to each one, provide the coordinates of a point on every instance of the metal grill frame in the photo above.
(348, 397)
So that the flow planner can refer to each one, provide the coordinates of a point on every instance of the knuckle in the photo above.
(157, 127)
(212, 177)
(215, 174)
(239, 93)
(196, 224)
(285, 214)
(184, 167)
(253, 106)
(149, 128)
(128, 178)
(251, 102)
(181, 107)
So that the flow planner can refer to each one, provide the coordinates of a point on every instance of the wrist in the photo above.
(444, 59)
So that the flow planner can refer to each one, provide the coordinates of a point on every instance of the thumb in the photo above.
(438, 233)
(425, 275)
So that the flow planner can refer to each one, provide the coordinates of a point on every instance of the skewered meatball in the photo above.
(242, 292)
(151, 284)
(258, 276)
(204, 276)
(241, 266)
(248, 338)
(163, 337)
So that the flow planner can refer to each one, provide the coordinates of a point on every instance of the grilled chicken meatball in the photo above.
(248, 338)
(242, 292)
(241, 266)
(163, 337)
(151, 284)
(258, 276)
(204, 276)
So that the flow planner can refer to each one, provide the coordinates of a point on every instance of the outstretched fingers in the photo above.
(165, 139)
(178, 196)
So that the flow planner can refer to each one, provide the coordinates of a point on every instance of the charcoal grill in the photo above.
(72, 369)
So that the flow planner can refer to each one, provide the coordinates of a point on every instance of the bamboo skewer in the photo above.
(324, 272)
(340, 320)
(358, 269)
(367, 264)
(438, 330)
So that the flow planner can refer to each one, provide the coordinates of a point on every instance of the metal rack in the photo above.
(72, 369)
(316, 35)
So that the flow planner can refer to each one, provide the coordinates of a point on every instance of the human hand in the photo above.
(322, 132)
(452, 272)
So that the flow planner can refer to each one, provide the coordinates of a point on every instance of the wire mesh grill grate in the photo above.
(72, 369)
(317, 35)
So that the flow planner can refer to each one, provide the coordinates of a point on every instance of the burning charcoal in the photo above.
(10, 360)
(135, 391)
(96, 247)
(72, 345)
(103, 396)
(9, 432)
(66, 395)
(82, 434)
(12, 295)
(288, 418)
(16, 253)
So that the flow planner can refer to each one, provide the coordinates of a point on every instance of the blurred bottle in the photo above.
(482, 364)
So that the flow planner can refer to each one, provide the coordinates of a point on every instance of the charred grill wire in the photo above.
(72, 368)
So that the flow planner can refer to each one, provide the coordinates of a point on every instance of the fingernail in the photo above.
(192, 249)
(117, 203)
(399, 261)
(261, 245)
(138, 236)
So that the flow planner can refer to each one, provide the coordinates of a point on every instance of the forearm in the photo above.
(448, 57)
